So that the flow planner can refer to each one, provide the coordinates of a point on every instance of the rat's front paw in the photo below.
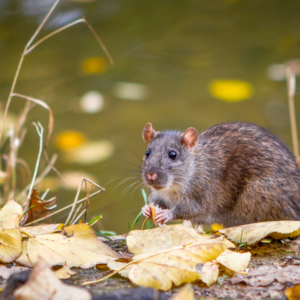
(163, 216)
(146, 210)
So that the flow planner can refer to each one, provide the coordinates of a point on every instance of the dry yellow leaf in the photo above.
(43, 284)
(293, 293)
(209, 273)
(7, 272)
(10, 235)
(186, 293)
(252, 233)
(148, 241)
(116, 265)
(64, 273)
(77, 245)
(235, 261)
(41, 229)
(173, 266)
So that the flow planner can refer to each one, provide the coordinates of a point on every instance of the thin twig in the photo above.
(64, 208)
(77, 195)
(76, 212)
(82, 20)
(41, 177)
(45, 194)
(80, 215)
(291, 82)
(40, 130)
(13, 155)
(19, 68)
(87, 202)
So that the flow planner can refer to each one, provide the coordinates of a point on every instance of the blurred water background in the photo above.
(177, 64)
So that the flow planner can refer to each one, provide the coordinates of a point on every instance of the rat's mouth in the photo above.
(152, 183)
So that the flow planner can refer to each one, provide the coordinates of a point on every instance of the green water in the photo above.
(175, 49)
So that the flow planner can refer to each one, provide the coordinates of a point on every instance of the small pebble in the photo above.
(9, 265)
(296, 262)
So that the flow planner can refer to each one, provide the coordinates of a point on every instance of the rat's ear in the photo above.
(190, 138)
(148, 133)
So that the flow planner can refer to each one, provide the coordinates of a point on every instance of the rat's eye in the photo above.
(172, 155)
(147, 153)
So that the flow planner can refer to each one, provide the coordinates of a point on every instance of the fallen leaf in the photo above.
(77, 245)
(64, 273)
(293, 293)
(10, 234)
(209, 273)
(217, 226)
(39, 207)
(42, 229)
(234, 261)
(5, 271)
(186, 293)
(43, 284)
(252, 233)
(265, 275)
(176, 265)
(148, 241)
(116, 265)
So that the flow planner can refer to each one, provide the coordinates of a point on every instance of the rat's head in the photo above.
(168, 160)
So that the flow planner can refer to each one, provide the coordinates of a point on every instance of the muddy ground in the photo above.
(276, 265)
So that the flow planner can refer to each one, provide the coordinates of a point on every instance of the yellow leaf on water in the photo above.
(69, 139)
(94, 65)
(10, 235)
(210, 273)
(43, 284)
(231, 90)
(77, 245)
(252, 233)
(234, 261)
(147, 241)
(186, 293)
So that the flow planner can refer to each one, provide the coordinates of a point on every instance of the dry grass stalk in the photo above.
(64, 208)
(83, 180)
(291, 82)
(40, 130)
(18, 134)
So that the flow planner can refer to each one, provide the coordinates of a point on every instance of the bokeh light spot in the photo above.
(69, 139)
(130, 91)
(94, 65)
(89, 153)
(92, 102)
(231, 90)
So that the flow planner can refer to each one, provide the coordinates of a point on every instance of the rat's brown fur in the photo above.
(237, 173)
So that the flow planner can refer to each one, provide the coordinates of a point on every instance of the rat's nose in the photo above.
(152, 176)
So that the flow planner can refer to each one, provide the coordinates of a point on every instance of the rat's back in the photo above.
(246, 175)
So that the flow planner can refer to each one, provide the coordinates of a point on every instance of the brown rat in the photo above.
(233, 174)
